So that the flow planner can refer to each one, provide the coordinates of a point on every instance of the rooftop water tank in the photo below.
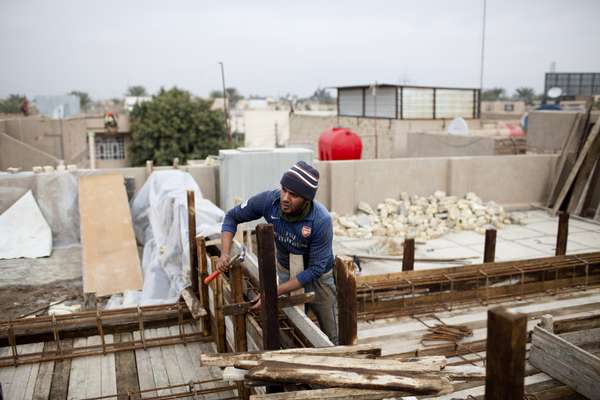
(339, 144)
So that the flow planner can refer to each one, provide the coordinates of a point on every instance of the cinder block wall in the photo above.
(514, 181)
(391, 134)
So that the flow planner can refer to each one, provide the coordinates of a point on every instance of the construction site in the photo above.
(464, 233)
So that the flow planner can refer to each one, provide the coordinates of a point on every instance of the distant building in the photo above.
(573, 84)
(58, 107)
(407, 102)
(499, 109)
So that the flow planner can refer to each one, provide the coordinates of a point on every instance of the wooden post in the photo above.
(191, 203)
(489, 252)
(176, 162)
(203, 266)
(267, 271)
(267, 274)
(149, 168)
(237, 293)
(219, 319)
(505, 367)
(346, 299)
(408, 255)
(563, 233)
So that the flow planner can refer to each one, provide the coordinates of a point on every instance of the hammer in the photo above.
(238, 257)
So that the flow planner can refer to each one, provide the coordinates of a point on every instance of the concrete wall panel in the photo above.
(547, 130)
(15, 153)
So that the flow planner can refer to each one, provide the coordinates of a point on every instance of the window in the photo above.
(509, 107)
(110, 147)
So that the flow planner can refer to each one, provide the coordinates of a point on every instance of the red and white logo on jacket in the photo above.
(306, 231)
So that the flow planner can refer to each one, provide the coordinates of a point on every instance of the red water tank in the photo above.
(339, 144)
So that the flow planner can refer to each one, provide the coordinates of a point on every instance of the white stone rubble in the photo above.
(424, 218)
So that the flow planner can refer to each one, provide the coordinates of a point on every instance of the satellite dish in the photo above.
(554, 92)
(458, 126)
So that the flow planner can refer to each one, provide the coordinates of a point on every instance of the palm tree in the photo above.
(526, 94)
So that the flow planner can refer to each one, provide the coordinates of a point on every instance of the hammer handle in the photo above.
(211, 277)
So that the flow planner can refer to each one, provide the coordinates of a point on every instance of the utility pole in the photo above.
(225, 105)
(482, 46)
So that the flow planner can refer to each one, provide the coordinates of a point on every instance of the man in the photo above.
(302, 226)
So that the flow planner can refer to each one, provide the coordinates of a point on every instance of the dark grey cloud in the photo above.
(275, 47)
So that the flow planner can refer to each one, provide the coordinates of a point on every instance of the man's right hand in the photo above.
(223, 263)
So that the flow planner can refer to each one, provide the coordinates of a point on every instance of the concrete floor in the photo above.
(514, 242)
(64, 263)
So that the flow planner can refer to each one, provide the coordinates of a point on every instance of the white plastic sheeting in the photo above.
(24, 233)
(159, 212)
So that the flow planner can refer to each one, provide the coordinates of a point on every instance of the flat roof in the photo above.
(388, 85)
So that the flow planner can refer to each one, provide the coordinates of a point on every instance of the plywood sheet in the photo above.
(110, 257)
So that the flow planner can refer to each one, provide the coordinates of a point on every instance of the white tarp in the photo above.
(24, 233)
(159, 212)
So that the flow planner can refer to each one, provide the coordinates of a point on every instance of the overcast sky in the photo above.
(276, 47)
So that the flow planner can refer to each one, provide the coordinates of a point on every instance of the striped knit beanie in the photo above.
(301, 179)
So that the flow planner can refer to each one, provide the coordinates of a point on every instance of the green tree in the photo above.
(175, 124)
(137, 91)
(232, 95)
(322, 96)
(525, 94)
(84, 99)
(12, 104)
(493, 94)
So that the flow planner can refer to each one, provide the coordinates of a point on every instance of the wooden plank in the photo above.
(193, 249)
(331, 394)
(109, 374)
(566, 362)
(144, 369)
(62, 374)
(77, 376)
(237, 293)
(282, 302)
(296, 267)
(230, 359)
(109, 250)
(582, 337)
(268, 286)
(219, 318)
(171, 363)
(274, 371)
(583, 154)
(204, 301)
(190, 371)
(562, 234)
(205, 373)
(346, 299)
(583, 176)
(93, 371)
(193, 303)
(23, 380)
(161, 378)
(44, 377)
(126, 370)
(489, 251)
(569, 146)
(505, 367)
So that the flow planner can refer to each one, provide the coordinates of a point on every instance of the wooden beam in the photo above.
(358, 351)
(583, 176)
(346, 299)
(281, 372)
(489, 253)
(565, 362)
(332, 394)
(125, 368)
(505, 367)
(282, 302)
(408, 255)
(239, 320)
(191, 205)
(563, 233)
(219, 319)
(193, 304)
(583, 154)
(268, 286)
(203, 273)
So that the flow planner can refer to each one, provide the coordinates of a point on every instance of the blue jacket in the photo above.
(312, 236)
